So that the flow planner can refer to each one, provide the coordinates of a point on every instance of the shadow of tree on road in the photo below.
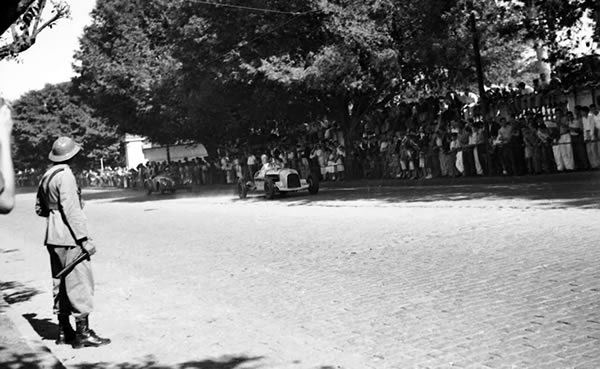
(32, 361)
(565, 190)
(227, 362)
(15, 292)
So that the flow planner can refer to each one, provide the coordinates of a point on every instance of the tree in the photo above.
(26, 20)
(44, 115)
(186, 69)
(123, 61)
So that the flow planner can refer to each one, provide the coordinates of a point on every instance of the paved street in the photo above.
(444, 276)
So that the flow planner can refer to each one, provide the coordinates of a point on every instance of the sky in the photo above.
(49, 59)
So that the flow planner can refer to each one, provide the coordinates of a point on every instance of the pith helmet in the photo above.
(63, 149)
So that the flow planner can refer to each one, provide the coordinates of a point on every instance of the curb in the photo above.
(18, 351)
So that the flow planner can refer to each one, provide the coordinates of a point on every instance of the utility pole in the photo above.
(480, 81)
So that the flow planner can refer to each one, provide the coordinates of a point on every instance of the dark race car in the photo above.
(160, 183)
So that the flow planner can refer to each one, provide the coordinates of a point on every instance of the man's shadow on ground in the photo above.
(45, 328)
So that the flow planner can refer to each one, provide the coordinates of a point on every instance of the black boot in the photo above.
(85, 337)
(66, 334)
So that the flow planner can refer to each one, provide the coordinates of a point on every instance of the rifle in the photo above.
(67, 269)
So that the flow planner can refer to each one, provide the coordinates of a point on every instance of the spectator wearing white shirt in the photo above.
(589, 134)
(563, 151)
(525, 89)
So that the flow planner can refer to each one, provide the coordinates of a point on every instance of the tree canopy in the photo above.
(183, 69)
(42, 116)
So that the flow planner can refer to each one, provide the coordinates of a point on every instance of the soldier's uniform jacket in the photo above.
(67, 224)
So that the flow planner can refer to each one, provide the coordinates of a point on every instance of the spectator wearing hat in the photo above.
(59, 200)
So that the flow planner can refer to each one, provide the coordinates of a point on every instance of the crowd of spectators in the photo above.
(529, 133)
(543, 140)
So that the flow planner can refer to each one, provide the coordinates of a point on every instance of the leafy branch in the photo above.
(24, 32)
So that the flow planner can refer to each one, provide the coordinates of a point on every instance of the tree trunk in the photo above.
(543, 66)
(349, 130)
(11, 10)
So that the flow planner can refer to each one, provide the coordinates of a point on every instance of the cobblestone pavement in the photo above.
(462, 277)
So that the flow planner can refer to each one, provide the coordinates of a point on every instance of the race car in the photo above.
(273, 179)
(160, 183)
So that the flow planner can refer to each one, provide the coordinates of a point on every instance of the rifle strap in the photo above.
(46, 183)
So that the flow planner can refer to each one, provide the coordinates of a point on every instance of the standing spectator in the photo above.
(290, 157)
(576, 130)
(446, 160)
(226, 169)
(7, 173)
(424, 154)
(518, 146)
(456, 154)
(413, 155)
(546, 148)
(403, 156)
(505, 139)
(303, 154)
(340, 159)
(384, 146)
(464, 135)
(590, 137)
(237, 169)
(563, 151)
(477, 142)
(252, 163)
(532, 148)
(434, 154)
(318, 156)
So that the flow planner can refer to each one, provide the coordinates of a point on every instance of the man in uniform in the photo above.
(59, 200)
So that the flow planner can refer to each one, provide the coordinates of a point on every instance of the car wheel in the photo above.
(242, 190)
(313, 185)
(269, 188)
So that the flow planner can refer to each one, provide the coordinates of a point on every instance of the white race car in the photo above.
(275, 180)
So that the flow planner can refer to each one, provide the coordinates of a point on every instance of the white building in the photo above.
(139, 150)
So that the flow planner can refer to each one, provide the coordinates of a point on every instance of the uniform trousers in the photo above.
(73, 293)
